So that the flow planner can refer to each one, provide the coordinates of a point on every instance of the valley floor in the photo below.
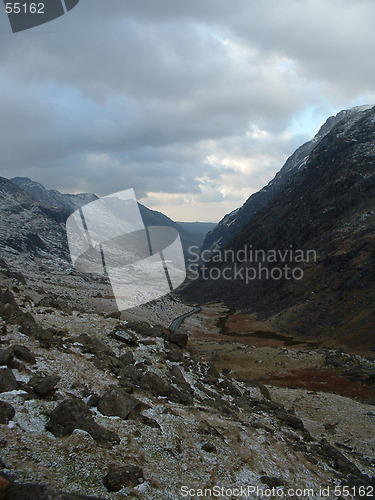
(332, 391)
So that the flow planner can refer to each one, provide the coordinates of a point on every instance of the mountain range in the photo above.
(35, 203)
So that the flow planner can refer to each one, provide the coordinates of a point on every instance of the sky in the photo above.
(195, 104)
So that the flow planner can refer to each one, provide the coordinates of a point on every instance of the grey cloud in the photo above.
(142, 93)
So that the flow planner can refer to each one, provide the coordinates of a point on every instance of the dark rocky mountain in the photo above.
(233, 222)
(324, 201)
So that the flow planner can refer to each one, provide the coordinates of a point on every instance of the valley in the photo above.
(253, 351)
(223, 382)
(331, 390)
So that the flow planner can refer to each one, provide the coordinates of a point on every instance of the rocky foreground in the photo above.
(101, 407)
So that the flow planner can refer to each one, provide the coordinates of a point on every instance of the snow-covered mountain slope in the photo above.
(70, 202)
(53, 197)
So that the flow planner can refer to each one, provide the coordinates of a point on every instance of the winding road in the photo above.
(176, 323)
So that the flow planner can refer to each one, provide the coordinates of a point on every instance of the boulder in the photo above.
(209, 447)
(177, 338)
(179, 379)
(43, 385)
(173, 352)
(11, 311)
(104, 357)
(7, 412)
(160, 387)
(127, 358)
(5, 356)
(124, 336)
(117, 402)
(23, 353)
(113, 315)
(47, 301)
(129, 374)
(127, 475)
(8, 381)
(73, 414)
(291, 420)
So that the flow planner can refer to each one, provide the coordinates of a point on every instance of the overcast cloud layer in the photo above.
(195, 104)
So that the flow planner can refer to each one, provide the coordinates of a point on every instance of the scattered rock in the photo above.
(291, 420)
(130, 375)
(127, 358)
(5, 356)
(113, 315)
(173, 352)
(7, 412)
(104, 356)
(339, 461)
(272, 482)
(330, 428)
(23, 353)
(8, 381)
(148, 421)
(117, 402)
(11, 311)
(160, 387)
(43, 385)
(177, 338)
(74, 414)
(93, 400)
(126, 337)
(209, 447)
(118, 477)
